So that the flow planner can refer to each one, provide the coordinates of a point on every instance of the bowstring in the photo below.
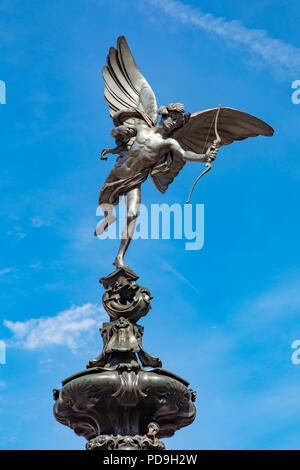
(204, 146)
(211, 124)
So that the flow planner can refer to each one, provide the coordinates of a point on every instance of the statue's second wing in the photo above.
(125, 86)
(199, 133)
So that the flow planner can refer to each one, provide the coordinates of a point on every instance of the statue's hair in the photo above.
(179, 107)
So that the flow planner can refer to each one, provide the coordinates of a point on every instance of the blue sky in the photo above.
(223, 317)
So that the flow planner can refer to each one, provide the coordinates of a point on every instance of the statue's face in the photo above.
(172, 120)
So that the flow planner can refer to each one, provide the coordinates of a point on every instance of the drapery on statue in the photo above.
(159, 149)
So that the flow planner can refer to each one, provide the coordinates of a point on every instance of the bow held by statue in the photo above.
(215, 145)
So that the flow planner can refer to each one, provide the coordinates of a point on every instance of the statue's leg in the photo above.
(109, 218)
(133, 201)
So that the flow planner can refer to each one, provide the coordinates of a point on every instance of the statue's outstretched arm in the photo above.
(116, 150)
(192, 156)
(122, 135)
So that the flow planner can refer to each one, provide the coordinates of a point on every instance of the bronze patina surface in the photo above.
(124, 399)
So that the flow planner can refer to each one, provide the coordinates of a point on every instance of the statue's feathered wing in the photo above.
(125, 86)
(198, 134)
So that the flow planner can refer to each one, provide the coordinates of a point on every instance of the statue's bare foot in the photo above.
(119, 262)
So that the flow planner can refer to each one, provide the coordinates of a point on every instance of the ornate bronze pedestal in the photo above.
(116, 403)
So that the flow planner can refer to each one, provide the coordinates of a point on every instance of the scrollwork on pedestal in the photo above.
(115, 403)
(123, 337)
(124, 443)
(110, 402)
(124, 297)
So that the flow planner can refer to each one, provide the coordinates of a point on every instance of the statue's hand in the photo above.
(103, 153)
(211, 152)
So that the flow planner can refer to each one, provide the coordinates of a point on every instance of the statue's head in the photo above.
(172, 116)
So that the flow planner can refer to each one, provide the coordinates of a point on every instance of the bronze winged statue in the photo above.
(159, 149)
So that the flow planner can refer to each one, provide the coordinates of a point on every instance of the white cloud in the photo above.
(38, 265)
(18, 232)
(65, 328)
(39, 222)
(274, 52)
(6, 271)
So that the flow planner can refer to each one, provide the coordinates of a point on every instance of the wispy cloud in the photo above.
(280, 302)
(39, 222)
(275, 53)
(3, 385)
(248, 373)
(65, 328)
(167, 267)
(37, 266)
(266, 319)
(18, 232)
(5, 271)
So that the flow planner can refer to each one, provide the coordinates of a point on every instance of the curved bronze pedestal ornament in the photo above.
(117, 404)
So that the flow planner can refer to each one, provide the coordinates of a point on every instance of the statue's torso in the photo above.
(147, 149)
